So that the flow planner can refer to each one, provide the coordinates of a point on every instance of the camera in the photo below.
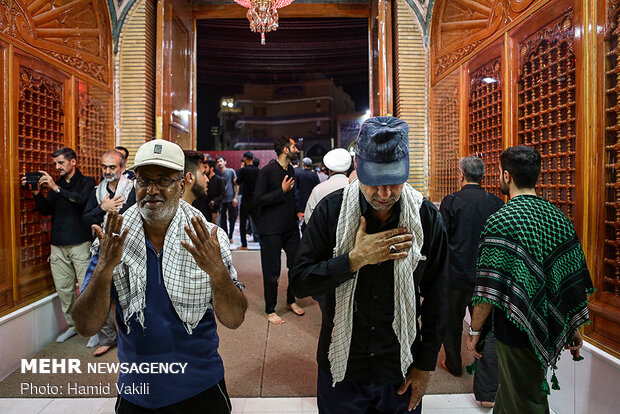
(32, 180)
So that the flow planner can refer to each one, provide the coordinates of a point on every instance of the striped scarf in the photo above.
(532, 267)
(405, 319)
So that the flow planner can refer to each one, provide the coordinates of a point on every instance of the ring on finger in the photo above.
(392, 249)
(116, 235)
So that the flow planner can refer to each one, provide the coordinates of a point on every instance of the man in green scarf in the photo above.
(532, 273)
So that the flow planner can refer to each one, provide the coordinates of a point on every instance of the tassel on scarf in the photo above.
(555, 384)
(471, 368)
(545, 387)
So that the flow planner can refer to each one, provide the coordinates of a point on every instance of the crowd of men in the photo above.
(150, 247)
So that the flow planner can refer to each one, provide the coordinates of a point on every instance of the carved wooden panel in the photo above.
(611, 274)
(547, 108)
(444, 137)
(41, 129)
(174, 109)
(93, 128)
(6, 270)
(75, 33)
(459, 27)
(485, 120)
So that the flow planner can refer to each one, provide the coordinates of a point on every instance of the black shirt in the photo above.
(94, 214)
(66, 209)
(246, 178)
(277, 212)
(464, 214)
(305, 181)
(216, 191)
(375, 351)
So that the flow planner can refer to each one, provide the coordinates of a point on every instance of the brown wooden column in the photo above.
(380, 58)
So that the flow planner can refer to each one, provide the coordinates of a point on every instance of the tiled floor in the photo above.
(432, 404)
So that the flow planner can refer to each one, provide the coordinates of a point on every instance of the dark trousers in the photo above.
(214, 400)
(245, 212)
(228, 213)
(350, 397)
(459, 300)
(270, 251)
(485, 377)
(520, 380)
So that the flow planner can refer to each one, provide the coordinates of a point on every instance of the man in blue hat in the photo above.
(374, 249)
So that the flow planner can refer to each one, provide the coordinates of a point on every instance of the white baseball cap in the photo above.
(337, 160)
(160, 152)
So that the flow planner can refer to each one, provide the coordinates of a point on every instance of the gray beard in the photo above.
(162, 215)
(110, 180)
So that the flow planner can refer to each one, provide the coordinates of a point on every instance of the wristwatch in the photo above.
(472, 332)
(57, 189)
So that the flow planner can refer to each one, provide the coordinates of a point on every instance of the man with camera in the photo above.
(70, 236)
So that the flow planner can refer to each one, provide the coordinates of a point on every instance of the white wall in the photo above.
(591, 386)
(28, 330)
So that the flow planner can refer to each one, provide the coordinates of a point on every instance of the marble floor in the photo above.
(431, 404)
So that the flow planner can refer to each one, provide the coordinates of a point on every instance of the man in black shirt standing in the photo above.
(306, 179)
(209, 206)
(374, 249)
(246, 179)
(464, 214)
(70, 236)
(277, 224)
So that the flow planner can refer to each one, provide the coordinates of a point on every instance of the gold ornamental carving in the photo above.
(459, 27)
(74, 32)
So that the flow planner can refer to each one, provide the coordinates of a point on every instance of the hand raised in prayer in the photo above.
(111, 242)
(205, 248)
(417, 380)
(378, 247)
(112, 204)
(287, 183)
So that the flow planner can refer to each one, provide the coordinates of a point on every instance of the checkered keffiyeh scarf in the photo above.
(188, 286)
(531, 266)
(123, 187)
(404, 323)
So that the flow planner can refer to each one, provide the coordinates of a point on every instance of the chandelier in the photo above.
(263, 14)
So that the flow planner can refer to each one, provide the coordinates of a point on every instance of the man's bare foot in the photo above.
(101, 350)
(274, 318)
(297, 310)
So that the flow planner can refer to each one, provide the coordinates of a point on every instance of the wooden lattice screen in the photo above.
(485, 120)
(40, 133)
(547, 108)
(611, 273)
(445, 138)
(93, 129)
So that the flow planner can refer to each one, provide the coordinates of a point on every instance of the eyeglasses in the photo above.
(161, 183)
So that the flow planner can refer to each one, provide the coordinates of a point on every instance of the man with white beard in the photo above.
(169, 273)
(115, 192)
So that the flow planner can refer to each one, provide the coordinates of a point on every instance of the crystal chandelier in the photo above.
(263, 14)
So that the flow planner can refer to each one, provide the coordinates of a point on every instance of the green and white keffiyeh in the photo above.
(531, 266)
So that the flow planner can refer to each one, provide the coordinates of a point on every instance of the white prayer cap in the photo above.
(337, 160)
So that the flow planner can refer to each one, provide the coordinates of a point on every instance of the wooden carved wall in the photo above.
(56, 57)
(444, 137)
(485, 120)
(547, 108)
(73, 33)
(41, 131)
(605, 306)
(93, 127)
(461, 27)
(558, 91)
